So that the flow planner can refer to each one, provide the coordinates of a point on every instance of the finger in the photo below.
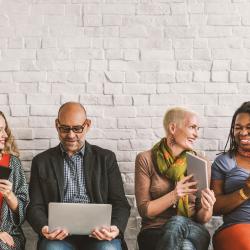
(3, 181)
(190, 184)
(209, 196)
(99, 234)
(2, 186)
(186, 192)
(7, 239)
(190, 191)
(10, 241)
(114, 235)
(53, 234)
(209, 191)
(62, 235)
(205, 204)
(186, 178)
(115, 231)
(95, 235)
(3, 239)
(107, 234)
(45, 230)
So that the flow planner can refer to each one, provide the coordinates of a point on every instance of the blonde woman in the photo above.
(172, 215)
(13, 191)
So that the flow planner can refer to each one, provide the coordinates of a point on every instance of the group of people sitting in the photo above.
(173, 215)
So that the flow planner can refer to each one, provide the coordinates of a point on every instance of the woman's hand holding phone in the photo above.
(5, 187)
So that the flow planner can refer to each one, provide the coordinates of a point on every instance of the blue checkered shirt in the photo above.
(74, 180)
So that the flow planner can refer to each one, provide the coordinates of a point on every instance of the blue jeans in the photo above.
(179, 233)
(77, 243)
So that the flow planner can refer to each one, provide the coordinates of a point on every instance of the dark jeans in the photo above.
(79, 243)
(179, 233)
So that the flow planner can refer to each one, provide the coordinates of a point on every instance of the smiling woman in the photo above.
(13, 191)
(172, 216)
(231, 184)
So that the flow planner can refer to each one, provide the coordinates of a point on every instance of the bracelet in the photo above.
(175, 200)
(243, 195)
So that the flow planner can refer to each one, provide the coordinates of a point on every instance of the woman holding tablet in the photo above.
(231, 185)
(172, 217)
(13, 191)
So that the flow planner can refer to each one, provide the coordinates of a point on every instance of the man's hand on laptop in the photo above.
(105, 233)
(58, 234)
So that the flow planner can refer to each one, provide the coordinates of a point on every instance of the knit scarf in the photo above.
(173, 168)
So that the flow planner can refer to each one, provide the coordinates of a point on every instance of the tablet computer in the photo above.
(78, 218)
(5, 172)
(198, 167)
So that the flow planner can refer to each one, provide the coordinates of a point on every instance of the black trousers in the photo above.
(148, 238)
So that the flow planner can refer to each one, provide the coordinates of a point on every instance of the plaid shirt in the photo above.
(74, 180)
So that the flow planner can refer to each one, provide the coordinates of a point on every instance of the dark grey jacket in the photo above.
(103, 180)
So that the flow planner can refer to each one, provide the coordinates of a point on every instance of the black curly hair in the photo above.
(244, 108)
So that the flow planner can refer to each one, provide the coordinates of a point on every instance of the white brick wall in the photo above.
(127, 61)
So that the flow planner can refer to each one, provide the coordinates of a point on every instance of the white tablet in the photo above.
(198, 167)
(79, 218)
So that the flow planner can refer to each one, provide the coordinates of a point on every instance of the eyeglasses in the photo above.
(76, 129)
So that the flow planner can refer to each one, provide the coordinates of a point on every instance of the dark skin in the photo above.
(225, 203)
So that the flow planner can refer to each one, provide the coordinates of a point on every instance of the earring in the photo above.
(172, 141)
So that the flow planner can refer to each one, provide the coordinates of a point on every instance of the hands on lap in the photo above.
(58, 234)
(105, 233)
(7, 239)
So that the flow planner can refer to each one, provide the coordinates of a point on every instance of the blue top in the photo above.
(234, 177)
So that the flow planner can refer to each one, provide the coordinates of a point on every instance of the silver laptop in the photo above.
(79, 218)
(198, 167)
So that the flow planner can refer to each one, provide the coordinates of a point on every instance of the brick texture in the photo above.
(127, 62)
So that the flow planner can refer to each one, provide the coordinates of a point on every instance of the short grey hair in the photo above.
(176, 115)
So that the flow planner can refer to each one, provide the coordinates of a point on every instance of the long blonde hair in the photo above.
(10, 145)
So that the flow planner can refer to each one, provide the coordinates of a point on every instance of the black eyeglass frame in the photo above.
(76, 129)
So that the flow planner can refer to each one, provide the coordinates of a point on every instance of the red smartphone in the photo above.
(4, 172)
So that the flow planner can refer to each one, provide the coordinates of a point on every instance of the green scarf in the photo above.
(172, 167)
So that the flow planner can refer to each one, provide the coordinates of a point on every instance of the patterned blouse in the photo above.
(11, 222)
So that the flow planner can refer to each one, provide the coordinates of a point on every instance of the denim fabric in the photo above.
(55, 245)
(187, 245)
(179, 230)
(179, 233)
(83, 244)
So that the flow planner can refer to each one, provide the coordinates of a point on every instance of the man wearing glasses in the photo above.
(76, 172)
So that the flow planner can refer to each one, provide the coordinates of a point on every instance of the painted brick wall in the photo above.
(127, 61)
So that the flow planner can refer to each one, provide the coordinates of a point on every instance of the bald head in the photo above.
(71, 107)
